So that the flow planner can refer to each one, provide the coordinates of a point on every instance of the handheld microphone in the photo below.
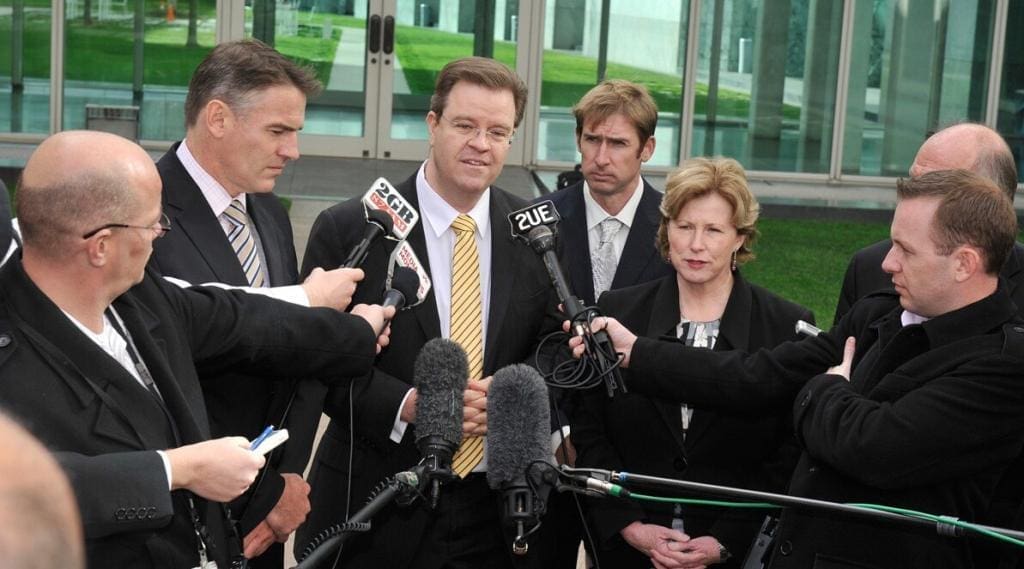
(439, 375)
(402, 288)
(535, 225)
(378, 223)
(518, 418)
(404, 284)
(404, 256)
(382, 196)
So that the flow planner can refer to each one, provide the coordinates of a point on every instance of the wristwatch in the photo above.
(723, 554)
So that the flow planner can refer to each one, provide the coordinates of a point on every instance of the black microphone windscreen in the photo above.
(407, 282)
(439, 375)
(518, 423)
(380, 218)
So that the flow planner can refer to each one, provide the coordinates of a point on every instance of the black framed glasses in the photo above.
(161, 227)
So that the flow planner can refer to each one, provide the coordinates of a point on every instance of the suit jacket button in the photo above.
(119, 514)
(5, 340)
(679, 464)
(786, 547)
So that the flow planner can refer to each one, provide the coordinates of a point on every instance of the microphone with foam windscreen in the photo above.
(439, 375)
(518, 436)
(378, 223)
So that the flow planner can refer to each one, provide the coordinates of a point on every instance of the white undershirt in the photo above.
(115, 346)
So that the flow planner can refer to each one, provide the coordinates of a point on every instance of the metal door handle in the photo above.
(389, 34)
(373, 29)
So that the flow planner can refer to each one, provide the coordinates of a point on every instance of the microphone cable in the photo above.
(567, 372)
(945, 525)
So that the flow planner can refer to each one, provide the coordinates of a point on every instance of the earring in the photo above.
(734, 261)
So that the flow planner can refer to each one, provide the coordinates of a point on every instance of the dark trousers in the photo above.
(466, 530)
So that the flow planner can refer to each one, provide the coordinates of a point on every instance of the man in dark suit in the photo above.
(245, 106)
(923, 407)
(100, 358)
(475, 108)
(972, 147)
(607, 232)
(615, 124)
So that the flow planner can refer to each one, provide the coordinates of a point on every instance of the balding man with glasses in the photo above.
(100, 358)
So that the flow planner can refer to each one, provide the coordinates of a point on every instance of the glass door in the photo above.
(378, 60)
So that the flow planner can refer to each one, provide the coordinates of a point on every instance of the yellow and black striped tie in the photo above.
(467, 325)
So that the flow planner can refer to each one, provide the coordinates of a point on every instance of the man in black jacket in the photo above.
(972, 147)
(245, 105)
(100, 358)
(609, 220)
(476, 106)
(923, 409)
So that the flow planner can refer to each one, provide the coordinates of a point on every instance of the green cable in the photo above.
(943, 519)
(703, 502)
(618, 490)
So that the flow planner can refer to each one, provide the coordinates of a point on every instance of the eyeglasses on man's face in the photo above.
(465, 129)
(160, 227)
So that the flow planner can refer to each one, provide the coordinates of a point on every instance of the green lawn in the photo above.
(103, 51)
(566, 76)
(804, 261)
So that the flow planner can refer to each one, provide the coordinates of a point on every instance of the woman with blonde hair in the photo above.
(707, 231)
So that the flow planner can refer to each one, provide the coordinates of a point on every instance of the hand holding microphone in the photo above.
(535, 225)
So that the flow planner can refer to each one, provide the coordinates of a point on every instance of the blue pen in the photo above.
(266, 433)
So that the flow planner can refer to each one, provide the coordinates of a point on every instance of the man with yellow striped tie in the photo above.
(490, 294)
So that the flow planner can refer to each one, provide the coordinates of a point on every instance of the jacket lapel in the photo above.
(576, 246)
(190, 214)
(426, 312)
(662, 324)
(272, 239)
(125, 408)
(146, 332)
(640, 250)
(504, 276)
(733, 334)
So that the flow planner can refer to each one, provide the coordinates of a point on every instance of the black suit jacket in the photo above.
(521, 308)
(864, 275)
(104, 426)
(640, 261)
(636, 433)
(197, 250)
(931, 417)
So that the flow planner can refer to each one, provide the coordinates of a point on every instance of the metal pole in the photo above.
(602, 42)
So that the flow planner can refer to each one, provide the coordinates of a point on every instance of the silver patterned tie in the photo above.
(604, 260)
(244, 243)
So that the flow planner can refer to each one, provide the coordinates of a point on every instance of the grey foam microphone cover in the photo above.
(518, 424)
(439, 375)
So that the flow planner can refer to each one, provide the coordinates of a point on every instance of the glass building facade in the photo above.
(803, 89)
